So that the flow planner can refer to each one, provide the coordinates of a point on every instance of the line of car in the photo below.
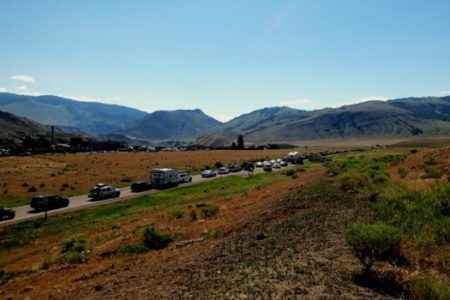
(159, 179)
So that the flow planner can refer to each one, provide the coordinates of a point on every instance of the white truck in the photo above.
(164, 178)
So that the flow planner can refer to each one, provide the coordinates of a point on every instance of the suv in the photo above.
(48, 202)
(184, 177)
(7, 213)
(104, 192)
(140, 186)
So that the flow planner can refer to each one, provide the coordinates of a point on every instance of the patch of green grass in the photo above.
(74, 251)
(131, 249)
(429, 288)
(154, 239)
(88, 220)
(11, 201)
(209, 210)
(213, 234)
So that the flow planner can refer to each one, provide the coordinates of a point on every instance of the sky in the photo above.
(225, 57)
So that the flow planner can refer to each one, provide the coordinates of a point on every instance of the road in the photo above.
(24, 213)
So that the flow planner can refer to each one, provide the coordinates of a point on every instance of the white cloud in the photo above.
(371, 98)
(3, 90)
(23, 78)
(297, 102)
(21, 88)
(278, 20)
(445, 92)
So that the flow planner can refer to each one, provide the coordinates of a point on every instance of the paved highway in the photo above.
(25, 212)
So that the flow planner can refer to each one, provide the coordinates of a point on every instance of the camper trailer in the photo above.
(294, 158)
(164, 178)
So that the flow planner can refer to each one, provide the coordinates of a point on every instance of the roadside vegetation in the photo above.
(410, 228)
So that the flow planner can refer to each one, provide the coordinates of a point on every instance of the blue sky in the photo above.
(226, 57)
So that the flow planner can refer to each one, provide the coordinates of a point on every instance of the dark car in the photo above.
(7, 213)
(48, 202)
(235, 168)
(248, 166)
(141, 186)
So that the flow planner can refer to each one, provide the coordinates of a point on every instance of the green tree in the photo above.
(240, 142)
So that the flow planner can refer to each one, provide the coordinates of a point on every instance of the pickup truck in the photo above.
(7, 213)
(100, 192)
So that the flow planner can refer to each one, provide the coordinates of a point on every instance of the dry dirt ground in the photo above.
(72, 174)
(283, 241)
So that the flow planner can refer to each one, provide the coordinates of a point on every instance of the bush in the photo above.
(372, 242)
(156, 240)
(290, 172)
(5, 276)
(74, 251)
(32, 189)
(353, 182)
(210, 210)
(435, 172)
(429, 288)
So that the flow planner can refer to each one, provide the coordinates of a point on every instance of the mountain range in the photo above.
(399, 118)
(92, 118)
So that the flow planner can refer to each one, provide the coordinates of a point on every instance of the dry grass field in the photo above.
(72, 174)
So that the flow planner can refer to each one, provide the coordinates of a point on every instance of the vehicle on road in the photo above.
(276, 165)
(48, 202)
(235, 168)
(248, 166)
(223, 171)
(7, 213)
(104, 192)
(140, 186)
(184, 177)
(259, 164)
(284, 163)
(294, 158)
(267, 167)
(164, 178)
(208, 174)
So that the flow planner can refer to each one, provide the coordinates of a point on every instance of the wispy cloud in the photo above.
(445, 92)
(3, 90)
(371, 98)
(297, 102)
(278, 20)
(21, 88)
(23, 78)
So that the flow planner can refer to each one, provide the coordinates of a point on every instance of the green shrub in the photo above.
(74, 251)
(353, 182)
(429, 288)
(380, 179)
(47, 263)
(32, 189)
(435, 172)
(210, 210)
(372, 242)
(5, 276)
(131, 249)
(402, 172)
(289, 172)
(156, 240)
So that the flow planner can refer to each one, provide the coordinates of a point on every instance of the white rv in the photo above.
(164, 178)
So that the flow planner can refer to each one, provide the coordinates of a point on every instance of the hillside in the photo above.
(14, 129)
(90, 117)
(389, 119)
(169, 125)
